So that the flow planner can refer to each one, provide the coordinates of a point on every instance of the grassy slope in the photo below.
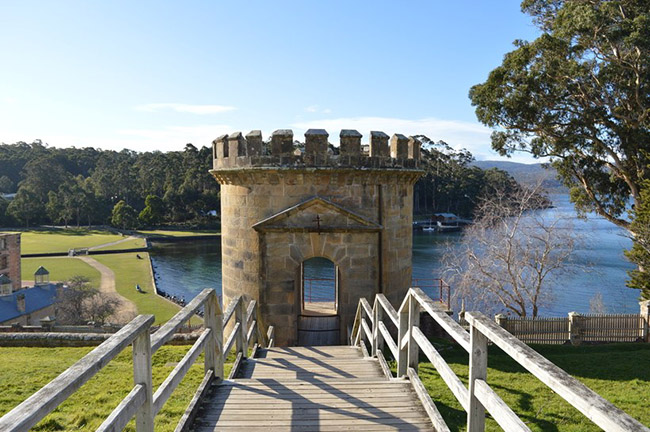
(61, 240)
(61, 269)
(25, 370)
(129, 271)
(613, 371)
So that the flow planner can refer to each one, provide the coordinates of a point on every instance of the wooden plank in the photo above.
(270, 335)
(231, 341)
(500, 411)
(388, 308)
(392, 346)
(449, 325)
(236, 366)
(448, 376)
(214, 345)
(251, 332)
(387, 403)
(176, 376)
(167, 330)
(588, 402)
(124, 412)
(395, 422)
(230, 310)
(431, 409)
(327, 390)
(366, 329)
(384, 365)
(364, 350)
(366, 308)
(142, 375)
(41, 403)
(250, 413)
(250, 310)
(477, 371)
(313, 428)
(193, 408)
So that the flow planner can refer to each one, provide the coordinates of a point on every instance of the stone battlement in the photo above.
(236, 151)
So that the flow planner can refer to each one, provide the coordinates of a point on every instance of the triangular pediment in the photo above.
(316, 215)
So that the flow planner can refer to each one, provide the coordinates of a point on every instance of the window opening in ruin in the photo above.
(319, 287)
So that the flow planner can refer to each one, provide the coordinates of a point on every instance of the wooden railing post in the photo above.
(645, 320)
(240, 338)
(377, 337)
(576, 328)
(477, 370)
(142, 375)
(402, 333)
(214, 321)
(414, 321)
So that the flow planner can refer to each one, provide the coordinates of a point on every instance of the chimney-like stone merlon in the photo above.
(236, 145)
(399, 146)
(414, 148)
(350, 142)
(316, 142)
(254, 143)
(378, 144)
(282, 142)
(220, 147)
(20, 303)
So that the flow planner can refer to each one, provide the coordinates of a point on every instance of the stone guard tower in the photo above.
(281, 206)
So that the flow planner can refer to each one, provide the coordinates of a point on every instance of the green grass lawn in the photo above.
(173, 233)
(25, 370)
(614, 371)
(61, 269)
(62, 240)
(129, 271)
(132, 243)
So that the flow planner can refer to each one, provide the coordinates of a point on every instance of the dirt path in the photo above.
(127, 310)
(112, 243)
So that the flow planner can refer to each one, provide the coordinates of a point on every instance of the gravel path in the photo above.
(127, 310)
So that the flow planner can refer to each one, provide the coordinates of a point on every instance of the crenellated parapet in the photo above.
(236, 151)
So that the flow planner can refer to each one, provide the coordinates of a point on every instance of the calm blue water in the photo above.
(184, 269)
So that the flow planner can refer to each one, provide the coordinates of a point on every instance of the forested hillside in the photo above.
(82, 186)
(71, 186)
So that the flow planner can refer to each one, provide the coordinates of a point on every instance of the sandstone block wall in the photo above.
(10, 254)
(270, 197)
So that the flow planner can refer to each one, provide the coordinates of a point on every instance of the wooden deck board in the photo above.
(331, 388)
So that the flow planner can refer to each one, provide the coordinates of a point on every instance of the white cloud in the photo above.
(187, 108)
(317, 109)
(472, 136)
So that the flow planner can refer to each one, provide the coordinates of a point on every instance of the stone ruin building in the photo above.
(9, 263)
(282, 206)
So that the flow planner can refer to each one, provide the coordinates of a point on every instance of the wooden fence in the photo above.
(577, 328)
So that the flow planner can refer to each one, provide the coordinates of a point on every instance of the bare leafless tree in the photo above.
(80, 303)
(508, 258)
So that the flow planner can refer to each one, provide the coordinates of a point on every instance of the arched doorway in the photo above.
(319, 287)
(318, 323)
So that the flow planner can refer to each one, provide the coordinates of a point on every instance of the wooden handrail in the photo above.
(479, 397)
(167, 330)
(41, 403)
(591, 404)
(141, 402)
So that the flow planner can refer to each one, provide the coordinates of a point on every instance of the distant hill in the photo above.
(527, 174)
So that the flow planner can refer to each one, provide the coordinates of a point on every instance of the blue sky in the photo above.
(155, 75)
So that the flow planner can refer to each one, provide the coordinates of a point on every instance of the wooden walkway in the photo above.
(330, 388)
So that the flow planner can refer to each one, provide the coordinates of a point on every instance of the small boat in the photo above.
(429, 229)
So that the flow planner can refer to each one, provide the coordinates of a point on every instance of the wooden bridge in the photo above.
(315, 388)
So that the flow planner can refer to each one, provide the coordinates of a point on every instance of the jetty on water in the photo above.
(327, 388)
